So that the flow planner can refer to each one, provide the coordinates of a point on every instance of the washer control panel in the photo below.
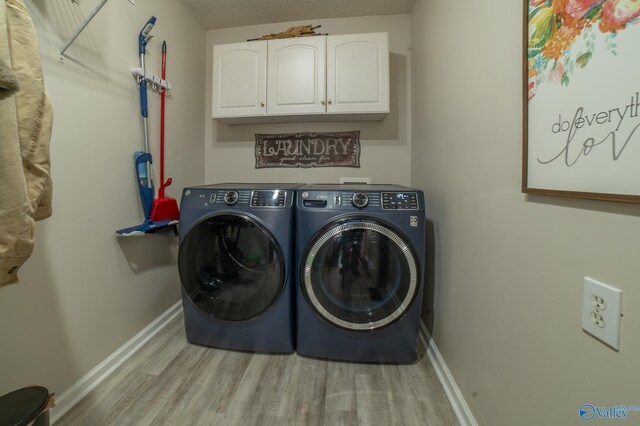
(263, 198)
(399, 201)
(361, 200)
(237, 198)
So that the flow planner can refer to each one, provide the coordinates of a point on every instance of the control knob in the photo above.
(231, 198)
(360, 200)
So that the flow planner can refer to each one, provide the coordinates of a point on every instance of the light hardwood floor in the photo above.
(172, 382)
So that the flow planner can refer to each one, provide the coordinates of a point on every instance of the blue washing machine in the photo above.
(360, 253)
(236, 266)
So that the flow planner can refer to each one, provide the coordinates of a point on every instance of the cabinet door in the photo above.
(239, 79)
(358, 73)
(296, 76)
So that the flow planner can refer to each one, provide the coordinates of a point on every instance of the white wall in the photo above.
(508, 269)
(386, 146)
(85, 292)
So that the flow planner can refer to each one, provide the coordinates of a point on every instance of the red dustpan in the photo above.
(163, 207)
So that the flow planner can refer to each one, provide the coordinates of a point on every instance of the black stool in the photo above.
(23, 406)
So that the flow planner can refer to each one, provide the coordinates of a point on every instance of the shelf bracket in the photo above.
(82, 27)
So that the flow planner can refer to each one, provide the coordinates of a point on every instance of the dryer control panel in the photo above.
(237, 198)
(362, 200)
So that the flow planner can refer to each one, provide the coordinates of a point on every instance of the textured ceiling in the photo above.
(214, 14)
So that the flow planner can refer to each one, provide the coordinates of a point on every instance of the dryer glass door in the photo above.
(231, 267)
(359, 274)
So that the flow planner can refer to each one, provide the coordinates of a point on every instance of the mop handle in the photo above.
(143, 38)
(144, 110)
(163, 184)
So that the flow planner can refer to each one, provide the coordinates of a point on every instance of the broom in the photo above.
(164, 208)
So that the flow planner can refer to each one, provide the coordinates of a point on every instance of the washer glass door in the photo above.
(359, 274)
(231, 267)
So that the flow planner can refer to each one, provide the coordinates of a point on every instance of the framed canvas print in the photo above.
(581, 99)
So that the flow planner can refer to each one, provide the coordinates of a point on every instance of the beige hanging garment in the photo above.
(25, 132)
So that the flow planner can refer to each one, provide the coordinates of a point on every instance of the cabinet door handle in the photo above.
(262, 104)
(329, 101)
(322, 101)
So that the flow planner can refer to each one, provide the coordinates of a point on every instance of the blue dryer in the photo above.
(360, 253)
(236, 266)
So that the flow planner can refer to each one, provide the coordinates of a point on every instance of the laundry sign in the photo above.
(321, 149)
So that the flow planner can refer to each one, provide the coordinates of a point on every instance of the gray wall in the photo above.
(386, 145)
(508, 269)
(85, 292)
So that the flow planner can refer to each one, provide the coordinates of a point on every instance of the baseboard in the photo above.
(451, 389)
(70, 397)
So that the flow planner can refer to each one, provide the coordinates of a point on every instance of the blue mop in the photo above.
(142, 159)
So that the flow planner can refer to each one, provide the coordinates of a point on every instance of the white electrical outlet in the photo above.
(601, 311)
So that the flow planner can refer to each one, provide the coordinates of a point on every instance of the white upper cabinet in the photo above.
(239, 85)
(358, 73)
(296, 76)
(339, 77)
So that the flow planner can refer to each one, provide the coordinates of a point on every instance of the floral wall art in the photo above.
(582, 99)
